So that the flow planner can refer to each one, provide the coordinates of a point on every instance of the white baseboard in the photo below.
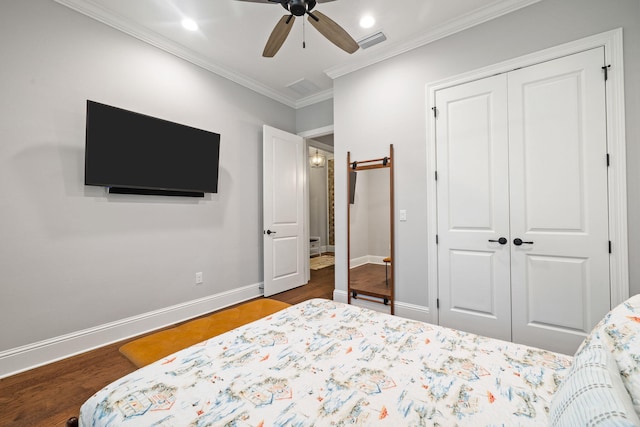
(375, 259)
(340, 296)
(367, 259)
(382, 308)
(402, 309)
(357, 262)
(412, 311)
(31, 356)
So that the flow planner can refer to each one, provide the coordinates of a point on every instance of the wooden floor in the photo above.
(370, 279)
(49, 395)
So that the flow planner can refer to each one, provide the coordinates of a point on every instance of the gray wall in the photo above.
(314, 116)
(72, 257)
(386, 103)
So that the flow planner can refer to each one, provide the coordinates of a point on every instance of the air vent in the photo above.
(304, 87)
(372, 40)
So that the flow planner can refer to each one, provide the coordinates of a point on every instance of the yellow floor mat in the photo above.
(150, 348)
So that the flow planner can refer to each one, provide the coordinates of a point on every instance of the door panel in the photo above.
(551, 153)
(286, 251)
(473, 208)
(551, 281)
(558, 176)
(283, 198)
(469, 150)
(474, 298)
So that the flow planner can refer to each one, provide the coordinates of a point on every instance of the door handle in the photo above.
(269, 232)
(517, 241)
(502, 240)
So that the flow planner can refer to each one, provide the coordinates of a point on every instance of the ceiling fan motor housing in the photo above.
(299, 7)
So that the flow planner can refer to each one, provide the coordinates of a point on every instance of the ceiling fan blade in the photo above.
(278, 36)
(333, 32)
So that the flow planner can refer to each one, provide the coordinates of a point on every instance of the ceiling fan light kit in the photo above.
(325, 26)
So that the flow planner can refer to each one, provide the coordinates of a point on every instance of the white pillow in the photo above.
(592, 393)
(622, 328)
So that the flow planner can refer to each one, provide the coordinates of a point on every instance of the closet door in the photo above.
(473, 208)
(558, 196)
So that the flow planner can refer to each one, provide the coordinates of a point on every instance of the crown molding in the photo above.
(314, 99)
(120, 23)
(477, 17)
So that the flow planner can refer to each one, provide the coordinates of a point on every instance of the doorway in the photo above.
(320, 208)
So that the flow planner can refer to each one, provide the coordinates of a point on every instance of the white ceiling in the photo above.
(232, 34)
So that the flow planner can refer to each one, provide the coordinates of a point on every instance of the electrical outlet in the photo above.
(199, 278)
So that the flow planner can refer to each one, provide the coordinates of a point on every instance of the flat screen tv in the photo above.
(134, 153)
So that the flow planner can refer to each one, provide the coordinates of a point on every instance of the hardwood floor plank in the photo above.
(369, 279)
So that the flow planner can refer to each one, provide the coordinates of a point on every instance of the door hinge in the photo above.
(608, 160)
(606, 72)
(436, 174)
(438, 303)
(436, 239)
(435, 112)
(610, 250)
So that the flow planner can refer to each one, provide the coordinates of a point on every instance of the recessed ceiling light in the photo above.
(367, 21)
(189, 24)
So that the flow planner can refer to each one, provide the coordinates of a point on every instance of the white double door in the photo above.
(523, 252)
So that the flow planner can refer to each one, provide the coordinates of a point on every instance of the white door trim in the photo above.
(317, 132)
(617, 173)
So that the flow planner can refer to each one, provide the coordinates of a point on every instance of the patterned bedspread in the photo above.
(330, 364)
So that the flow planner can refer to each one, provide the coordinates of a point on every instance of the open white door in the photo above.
(283, 210)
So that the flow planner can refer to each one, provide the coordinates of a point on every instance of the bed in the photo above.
(330, 364)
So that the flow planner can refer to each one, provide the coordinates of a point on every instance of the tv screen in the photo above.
(131, 151)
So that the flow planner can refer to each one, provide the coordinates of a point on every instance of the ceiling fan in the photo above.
(325, 25)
